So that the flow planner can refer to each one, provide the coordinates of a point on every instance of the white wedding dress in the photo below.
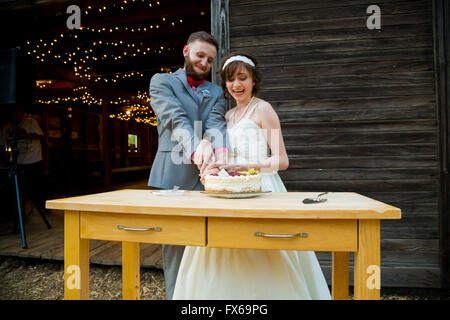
(247, 274)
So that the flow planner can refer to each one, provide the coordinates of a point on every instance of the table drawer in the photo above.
(314, 235)
(150, 228)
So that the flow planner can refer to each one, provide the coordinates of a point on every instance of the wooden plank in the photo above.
(38, 242)
(151, 255)
(97, 254)
(363, 185)
(245, 7)
(325, 69)
(402, 258)
(410, 245)
(420, 220)
(361, 174)
(419, 208)
(343, 115)
(401, 252)
(360, 162)
(326, 13)
(361, 150)
(411, 232)
(300, 127)
(347, 56)
(353, 103)
(241, 28)
(422, 196)
(408, 275)
(239, 43)
(111, 254)
(361, 138)
(349, 80)
(339, 46)
(339, 92)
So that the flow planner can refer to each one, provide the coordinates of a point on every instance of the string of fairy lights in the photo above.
(139, 112)
(83, 60)
(136, 111)
(66, 49)
(122, 5)
(82, 95)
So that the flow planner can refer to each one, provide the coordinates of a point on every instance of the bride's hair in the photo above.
(227, 73)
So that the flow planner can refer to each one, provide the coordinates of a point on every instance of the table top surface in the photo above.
(275, 205)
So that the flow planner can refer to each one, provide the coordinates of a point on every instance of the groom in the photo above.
(187, 108)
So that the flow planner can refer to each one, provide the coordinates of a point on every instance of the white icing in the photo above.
(248, 183)
(223, 173)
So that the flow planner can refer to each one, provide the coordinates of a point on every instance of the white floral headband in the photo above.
(238, 58)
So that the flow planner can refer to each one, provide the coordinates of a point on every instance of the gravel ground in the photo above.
(32, 279)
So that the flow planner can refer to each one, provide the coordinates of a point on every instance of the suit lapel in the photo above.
(181, 75)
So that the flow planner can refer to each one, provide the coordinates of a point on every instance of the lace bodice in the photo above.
(246, 141)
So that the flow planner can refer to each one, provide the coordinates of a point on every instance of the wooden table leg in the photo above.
(367, 261)
(130, 271)
(76, 259)
(339, 277)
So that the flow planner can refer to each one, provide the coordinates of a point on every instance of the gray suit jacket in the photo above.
(183, 118)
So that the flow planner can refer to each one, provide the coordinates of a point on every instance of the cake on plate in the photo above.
(233, 182)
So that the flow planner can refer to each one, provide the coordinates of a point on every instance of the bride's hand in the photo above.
(235, 167)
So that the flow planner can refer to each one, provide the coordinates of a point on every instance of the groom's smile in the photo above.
(199, 56)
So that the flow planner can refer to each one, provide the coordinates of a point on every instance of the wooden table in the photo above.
(347, 222)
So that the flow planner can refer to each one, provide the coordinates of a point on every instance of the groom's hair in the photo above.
(203, 36)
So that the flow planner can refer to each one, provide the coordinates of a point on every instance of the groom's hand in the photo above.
(221, 158)
(210, 167)
(204, 154)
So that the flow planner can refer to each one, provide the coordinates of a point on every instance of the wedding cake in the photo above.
(232, 182)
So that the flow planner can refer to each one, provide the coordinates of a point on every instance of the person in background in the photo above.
(30, 167)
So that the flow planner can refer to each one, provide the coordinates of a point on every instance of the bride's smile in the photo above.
(240, 87)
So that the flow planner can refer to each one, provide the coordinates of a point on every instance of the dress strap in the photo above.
(231, 117)
(251, 110)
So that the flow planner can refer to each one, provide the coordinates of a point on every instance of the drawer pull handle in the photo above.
(139, 229)
(260, 234)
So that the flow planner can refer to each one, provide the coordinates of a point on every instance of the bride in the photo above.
(220, 273)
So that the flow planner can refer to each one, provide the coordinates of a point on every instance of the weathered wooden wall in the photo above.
(358, 112)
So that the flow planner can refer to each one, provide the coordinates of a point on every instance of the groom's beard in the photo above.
(189, 68)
